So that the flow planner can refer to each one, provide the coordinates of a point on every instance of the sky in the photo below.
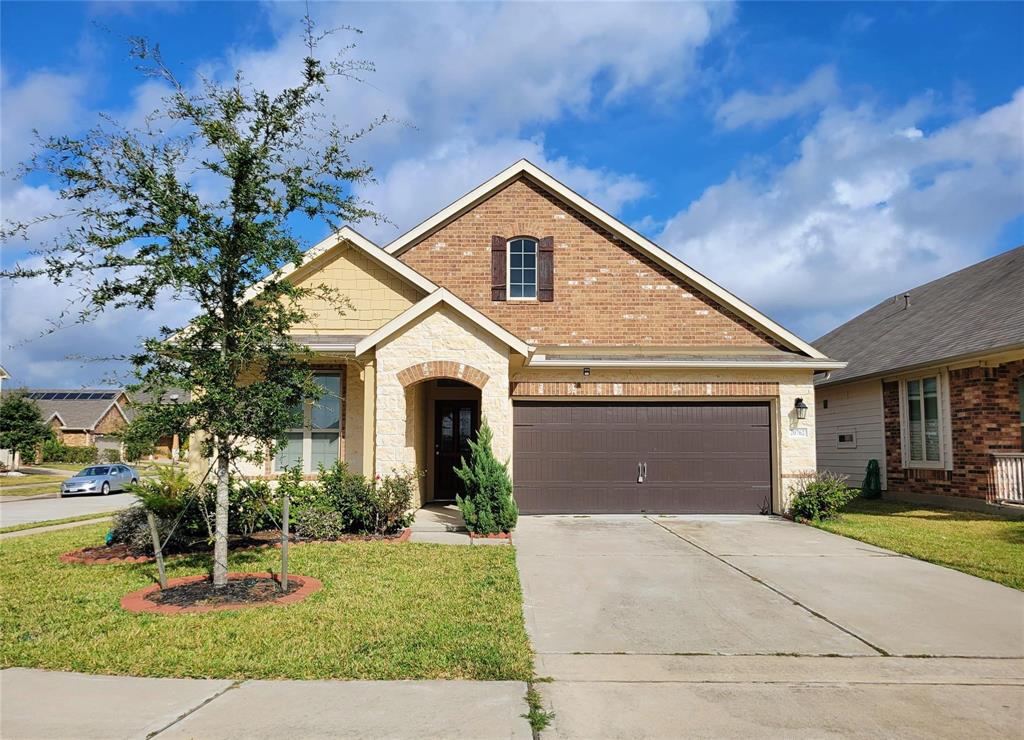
(813, 159)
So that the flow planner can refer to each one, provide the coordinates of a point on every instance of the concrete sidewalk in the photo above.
(38, 705)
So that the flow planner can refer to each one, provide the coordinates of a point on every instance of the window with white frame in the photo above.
(922, 420)
(318, 441)
(522, 268)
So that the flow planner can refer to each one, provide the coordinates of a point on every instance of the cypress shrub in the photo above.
(487, 507)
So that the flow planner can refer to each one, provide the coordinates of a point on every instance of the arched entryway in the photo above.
(443, 413)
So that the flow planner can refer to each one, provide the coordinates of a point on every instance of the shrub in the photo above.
(131, 529)
(390, 502)
(56, 451)
(317, 523)
(338, 489)
(872, 485)
(820, 496)
(342, 502)
(252, 507)
(487, 507)
(135, 450)
(111, 456)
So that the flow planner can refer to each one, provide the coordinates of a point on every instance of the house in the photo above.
(615, 377)
(933, 389)
(86, 417)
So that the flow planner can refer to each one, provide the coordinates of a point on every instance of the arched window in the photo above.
(522, 268)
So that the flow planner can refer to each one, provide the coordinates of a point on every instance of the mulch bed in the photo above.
(119, 554)
(196, 594)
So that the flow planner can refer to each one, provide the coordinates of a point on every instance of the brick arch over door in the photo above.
(442, 369)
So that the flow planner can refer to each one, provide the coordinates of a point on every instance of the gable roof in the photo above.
(442, 296)
(78, 412)
(348, 236)
(977, 310)
(525, 168)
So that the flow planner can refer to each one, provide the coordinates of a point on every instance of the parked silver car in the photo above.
(100, 479)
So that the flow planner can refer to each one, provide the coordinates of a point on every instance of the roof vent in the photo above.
(906, 301)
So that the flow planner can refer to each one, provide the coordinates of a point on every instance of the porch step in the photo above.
(438, 518)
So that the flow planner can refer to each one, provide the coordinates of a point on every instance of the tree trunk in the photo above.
(220, 534)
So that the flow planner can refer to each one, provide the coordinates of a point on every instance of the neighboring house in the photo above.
(83, 417)
(933, 388)
(167, 444)
(615, 377)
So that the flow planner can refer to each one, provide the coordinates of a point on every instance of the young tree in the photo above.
(201, 203)
(21, 425)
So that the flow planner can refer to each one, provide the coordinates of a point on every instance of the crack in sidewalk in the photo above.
(193, 710)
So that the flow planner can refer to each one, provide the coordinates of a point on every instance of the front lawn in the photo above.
(386, 611)
(981, 544)
(51, 522)
(10, 481)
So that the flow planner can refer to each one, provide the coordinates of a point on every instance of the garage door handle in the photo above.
(639, 472)
(645, 471)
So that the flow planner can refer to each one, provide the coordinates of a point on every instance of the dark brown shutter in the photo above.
(546, 269)
(498, 246)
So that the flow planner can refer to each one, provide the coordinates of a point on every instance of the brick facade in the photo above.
(605, 292)
(984, 418)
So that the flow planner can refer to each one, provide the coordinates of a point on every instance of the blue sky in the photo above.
(812, 158)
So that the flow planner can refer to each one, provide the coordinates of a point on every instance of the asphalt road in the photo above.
(15, 510)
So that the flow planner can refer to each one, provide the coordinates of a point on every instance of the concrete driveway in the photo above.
(741, 626)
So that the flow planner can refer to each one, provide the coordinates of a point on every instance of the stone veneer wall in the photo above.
(794, 455)
(440, 335)
(984, 418)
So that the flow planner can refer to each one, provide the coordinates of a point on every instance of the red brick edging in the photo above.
(136, 601)
(497, 536)
(76, 557)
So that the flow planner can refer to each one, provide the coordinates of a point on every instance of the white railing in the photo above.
(1008, 476)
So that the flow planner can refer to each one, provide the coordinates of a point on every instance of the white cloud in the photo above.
(752, 109)
(410, 190)
(473, 82)
(861, 213)
(44, 101)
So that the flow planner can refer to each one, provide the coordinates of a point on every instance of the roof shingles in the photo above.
(975, 310)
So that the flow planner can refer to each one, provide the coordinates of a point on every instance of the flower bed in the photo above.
(118, 553)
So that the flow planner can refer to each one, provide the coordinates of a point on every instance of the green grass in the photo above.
(8, 481)
(387, 611)
(48, 522)
(30, 490)
(981, 544)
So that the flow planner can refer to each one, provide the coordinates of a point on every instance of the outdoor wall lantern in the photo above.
(801, 408)
(586, 372)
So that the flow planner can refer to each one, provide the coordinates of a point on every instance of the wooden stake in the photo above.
(284, 542)
(157, 550)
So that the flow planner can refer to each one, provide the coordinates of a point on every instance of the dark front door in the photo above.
(605, 458)
(455, 423)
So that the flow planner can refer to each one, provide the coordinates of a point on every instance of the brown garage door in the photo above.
(587, 457)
